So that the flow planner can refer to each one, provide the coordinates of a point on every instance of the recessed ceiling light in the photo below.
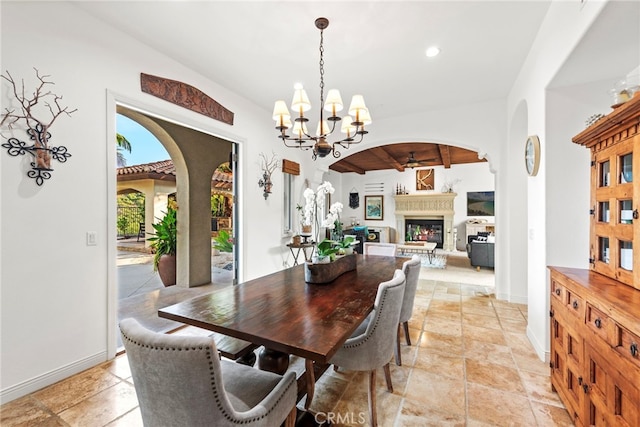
(432, 51)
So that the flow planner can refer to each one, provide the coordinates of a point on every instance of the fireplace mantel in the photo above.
(426, 206)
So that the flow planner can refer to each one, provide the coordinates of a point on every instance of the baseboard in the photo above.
(22, 389)
(540, 350)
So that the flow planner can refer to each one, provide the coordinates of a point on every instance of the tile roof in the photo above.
(165, 169)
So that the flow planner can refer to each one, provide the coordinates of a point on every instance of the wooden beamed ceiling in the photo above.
(394, 156)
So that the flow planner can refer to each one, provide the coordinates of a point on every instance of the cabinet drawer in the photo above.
(628, 345)
(575, 304)
(599, 323)
(557, 290)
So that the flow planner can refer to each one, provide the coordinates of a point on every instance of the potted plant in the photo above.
(344, 245)
(327, 250)
(164, 243)
(223, 241)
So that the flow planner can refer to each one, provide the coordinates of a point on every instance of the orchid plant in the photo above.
(314, 201)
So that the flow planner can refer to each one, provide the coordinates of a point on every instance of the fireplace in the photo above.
(433, 212)
(424, 230)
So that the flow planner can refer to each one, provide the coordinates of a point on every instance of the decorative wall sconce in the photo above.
(268, 166)
(38, 130)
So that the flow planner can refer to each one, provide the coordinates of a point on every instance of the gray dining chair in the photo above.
(411, 270)
(373, 348)
(181, 381)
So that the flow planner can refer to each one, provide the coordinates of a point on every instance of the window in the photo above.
(290, 170)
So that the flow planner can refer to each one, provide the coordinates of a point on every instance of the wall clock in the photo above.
(532, 155)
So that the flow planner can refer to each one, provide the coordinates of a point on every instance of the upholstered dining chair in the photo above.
(411, 270)
(181, 381)
(385, 249)
(374, 347)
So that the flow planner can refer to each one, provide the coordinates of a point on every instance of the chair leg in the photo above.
(387, 377)
(397, 349)
(372, 398)
(406, 332)
(291, 418)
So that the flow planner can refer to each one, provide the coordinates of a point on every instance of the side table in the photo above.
(296, 248)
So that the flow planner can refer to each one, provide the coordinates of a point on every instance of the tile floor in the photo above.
(470, 364)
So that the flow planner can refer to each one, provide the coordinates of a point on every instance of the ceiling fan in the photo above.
(412, 162)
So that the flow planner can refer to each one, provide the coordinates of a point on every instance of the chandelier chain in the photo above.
(321, 70)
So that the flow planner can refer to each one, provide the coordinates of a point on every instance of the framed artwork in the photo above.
(373, 207)
(480, 203)
(424, 179)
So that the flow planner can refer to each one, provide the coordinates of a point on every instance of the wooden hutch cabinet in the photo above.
(595, 313)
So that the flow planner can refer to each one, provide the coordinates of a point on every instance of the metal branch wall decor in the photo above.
(37, 129)
(267, 166)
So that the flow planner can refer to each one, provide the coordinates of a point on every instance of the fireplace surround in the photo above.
(426, 207)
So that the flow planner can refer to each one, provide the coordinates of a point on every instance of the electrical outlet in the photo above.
(92, 238)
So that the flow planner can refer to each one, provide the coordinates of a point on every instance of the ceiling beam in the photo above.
(384, 155)
(348, 167)
(445, 155)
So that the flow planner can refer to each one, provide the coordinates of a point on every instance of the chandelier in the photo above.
(352, 124)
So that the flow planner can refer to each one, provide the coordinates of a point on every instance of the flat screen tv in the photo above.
(480, 203)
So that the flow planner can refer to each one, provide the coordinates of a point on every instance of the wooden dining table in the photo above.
(283, 313)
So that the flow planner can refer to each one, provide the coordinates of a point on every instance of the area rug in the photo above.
(435, 261)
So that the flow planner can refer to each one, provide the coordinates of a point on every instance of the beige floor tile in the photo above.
(484, 351)
(417, 316)
(485, 310)
(498, 408)
(441, 343)
(119, 367)
(480, 333)
(422, 301)
(414, 414)
(530, 362)
(514, 325)
(445, 327)
(447, 365)
(353, 407)
(27, 411)
(399, 378)
(102, 408)
(130, 419)
(407, 352)
(445, 296)
(74, 390)
(451, 316)
(508, 312)
(436, 391)
(328, 391)
(439, 305)
(539, 388)
(518, 341)
(494, 376)
(414, 333)
(472, 319)
(550, 415)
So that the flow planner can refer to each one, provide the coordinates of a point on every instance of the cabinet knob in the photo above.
(558, 291)
(579, 380)
(598, 323)
(635, 214)
(575, 304)
(585, 388)
(633, 348)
